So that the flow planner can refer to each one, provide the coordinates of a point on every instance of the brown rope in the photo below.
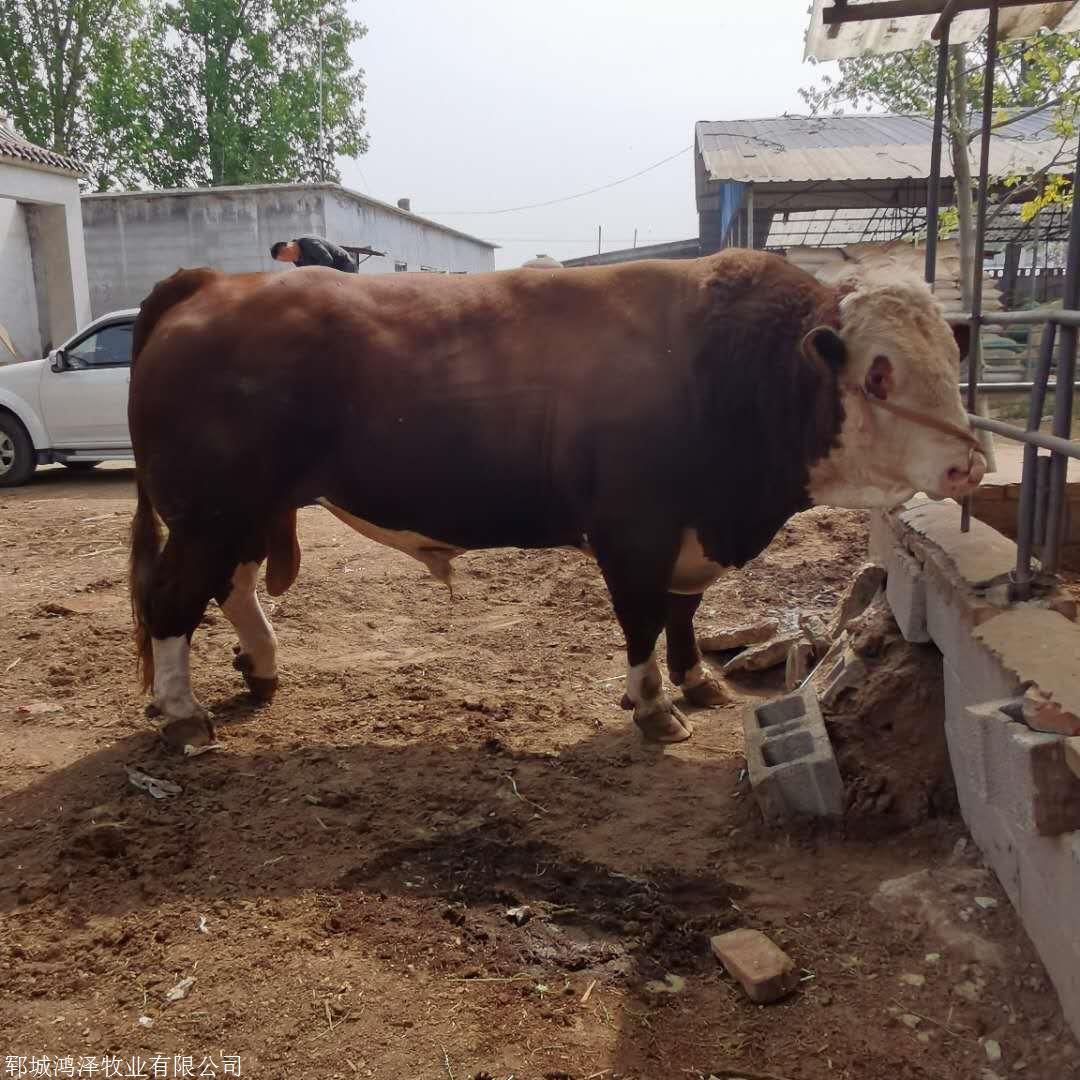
(923, 419)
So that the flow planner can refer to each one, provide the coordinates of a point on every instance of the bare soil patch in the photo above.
(429, 765)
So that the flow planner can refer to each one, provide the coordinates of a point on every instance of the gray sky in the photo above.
(486, 104)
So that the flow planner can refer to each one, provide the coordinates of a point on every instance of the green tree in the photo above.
(182, 93)
(56, 59)
(230, 91)
(1034, 75)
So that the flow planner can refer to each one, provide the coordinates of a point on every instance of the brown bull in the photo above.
(665, 417)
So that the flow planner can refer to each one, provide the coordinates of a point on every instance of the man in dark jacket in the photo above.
(313, 251)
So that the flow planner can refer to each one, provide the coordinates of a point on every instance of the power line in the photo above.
(563, 198)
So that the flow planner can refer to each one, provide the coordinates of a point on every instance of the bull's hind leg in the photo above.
(256, 654)
(685, 666)
(189, 572)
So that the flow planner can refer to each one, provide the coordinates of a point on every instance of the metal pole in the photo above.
(980, 232)
(1063, 401)
(1042, 488)
(1025, 522)
(322, 152)
(933, 191)
(750, 215)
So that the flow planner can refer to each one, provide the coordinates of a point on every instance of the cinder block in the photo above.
(883, 536)
(1049, 886)
(906, 593)
(965, 741)
(950, 622)
(1038, 646)
(790, 760)
(1027, 777)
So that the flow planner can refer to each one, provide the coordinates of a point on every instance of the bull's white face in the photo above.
(897, 348)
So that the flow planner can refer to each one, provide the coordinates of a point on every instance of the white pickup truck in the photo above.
(70, 407)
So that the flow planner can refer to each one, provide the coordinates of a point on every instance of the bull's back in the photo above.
(490, 405)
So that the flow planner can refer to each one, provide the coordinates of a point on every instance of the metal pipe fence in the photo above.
(1042, 511)
(1041, 515)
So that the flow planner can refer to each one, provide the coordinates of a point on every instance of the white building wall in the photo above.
(18, 304)
(134, 240)
(55, 229)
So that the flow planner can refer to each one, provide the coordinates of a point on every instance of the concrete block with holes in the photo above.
(790, 760)
(906, 593)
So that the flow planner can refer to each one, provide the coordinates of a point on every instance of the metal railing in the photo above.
(1042, 511)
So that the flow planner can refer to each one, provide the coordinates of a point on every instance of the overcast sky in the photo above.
(486, 104)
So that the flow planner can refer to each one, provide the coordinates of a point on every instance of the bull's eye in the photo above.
(879, 378)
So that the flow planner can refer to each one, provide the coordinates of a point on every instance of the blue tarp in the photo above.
(732, 194)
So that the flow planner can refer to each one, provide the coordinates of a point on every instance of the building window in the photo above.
(432, 270)
(400, 267)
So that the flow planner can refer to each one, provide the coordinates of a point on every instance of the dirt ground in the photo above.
(336, 879)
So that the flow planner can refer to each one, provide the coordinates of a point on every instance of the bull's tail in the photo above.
(145, 551)
(146, 531)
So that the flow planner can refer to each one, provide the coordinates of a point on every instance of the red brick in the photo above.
(765, 972)
(1042, 714)
(1072, 756)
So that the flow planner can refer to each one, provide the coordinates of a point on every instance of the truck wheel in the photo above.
(17, 458)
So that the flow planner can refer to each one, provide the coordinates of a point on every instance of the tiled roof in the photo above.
(15, 147)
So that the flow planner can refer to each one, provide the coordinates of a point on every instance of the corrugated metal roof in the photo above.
(801, 149)
(898, 35)
(14, 147)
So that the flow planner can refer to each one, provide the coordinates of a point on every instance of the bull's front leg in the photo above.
(685, 665)
(637, 578)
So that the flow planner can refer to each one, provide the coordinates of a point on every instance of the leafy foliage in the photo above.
(237, 84)
(58, 69)
(179, 93)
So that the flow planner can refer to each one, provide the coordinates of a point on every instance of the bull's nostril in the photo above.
(956, 474)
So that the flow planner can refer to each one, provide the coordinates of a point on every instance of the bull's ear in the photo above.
(825, 344)
(962, 333)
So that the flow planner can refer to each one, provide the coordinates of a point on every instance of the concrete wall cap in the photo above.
(981, 556)
(1041, 647)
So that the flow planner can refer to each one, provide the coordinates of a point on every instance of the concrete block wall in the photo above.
(407, 239)
(1018, 795)
(134, 239)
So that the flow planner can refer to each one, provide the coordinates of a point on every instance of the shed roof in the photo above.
(14, 148)
(890, 31)
(804, 149)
